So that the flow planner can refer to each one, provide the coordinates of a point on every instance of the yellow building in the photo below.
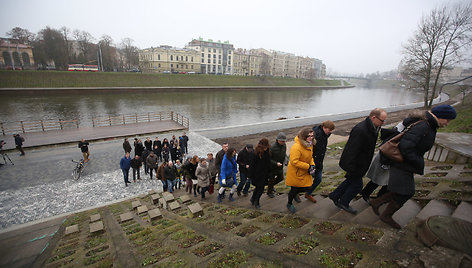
(15, 56)
(167, 59)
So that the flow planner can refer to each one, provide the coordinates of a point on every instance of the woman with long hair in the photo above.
(259, 170)
(300, 167)
(228, 172)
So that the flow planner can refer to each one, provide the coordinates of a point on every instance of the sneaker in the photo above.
(291, 208)
(348, 209)
(297, 199)
(309, 197)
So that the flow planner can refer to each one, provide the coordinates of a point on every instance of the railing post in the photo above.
(93, 123)
(3, 130)
(77, 122)
(172, 116)
(109, 120)
(149, 118)
(136, 117)
(60, 123)
(160, 116)
(42, 124)
(124, 122)
(22, 126)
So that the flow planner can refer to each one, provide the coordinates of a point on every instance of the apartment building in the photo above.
(167, 59)
(215, 57)
(246, 62)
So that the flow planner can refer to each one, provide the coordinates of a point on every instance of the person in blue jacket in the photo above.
(125, 164)
(227, 179)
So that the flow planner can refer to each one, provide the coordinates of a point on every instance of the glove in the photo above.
(311, 170)
(223, 181)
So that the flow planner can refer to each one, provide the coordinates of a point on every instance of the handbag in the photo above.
(212, 188)
(390, 148)
(229, 182)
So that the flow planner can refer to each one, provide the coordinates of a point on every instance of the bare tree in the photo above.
(440, 41)
(84, 40)
(49, 47)
(66, 35)
(109, 61)
(130, 52)
(22, 35)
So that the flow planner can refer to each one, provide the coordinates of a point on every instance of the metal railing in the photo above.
(36, 126)
(124, 119)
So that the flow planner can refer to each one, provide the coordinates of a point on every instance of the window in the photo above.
(214, 61)
(203, 60)
(171, 65)
(229, 62)
(229, 57)
(209, 56)
(186, 58)
(219, 50)
(171, 57)
(159, 65)
(159, 57)
(191, 66)
(214, 56)
(209, 49)
(214, 50)
(26, 59)
(203, 55)
(219, 57)
(192, 59)
(209, 60)
(186, 66)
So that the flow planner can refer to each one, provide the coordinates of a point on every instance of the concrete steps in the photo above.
(434, 208)
(463, 211)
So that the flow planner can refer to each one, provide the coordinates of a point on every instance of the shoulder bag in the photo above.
(390, 148)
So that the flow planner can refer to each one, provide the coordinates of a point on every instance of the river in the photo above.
(205, 109)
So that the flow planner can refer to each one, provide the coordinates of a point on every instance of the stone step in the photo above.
(360, 205)
(463, 211)
(404, 215)
(276, 204)
(323, 208)
(433, 208)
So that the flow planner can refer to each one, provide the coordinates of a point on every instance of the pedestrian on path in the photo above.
(300, 167)
(136, 164)
(151, 162)
(170, 173)
(125, 164)
(203, 177)
(138, 148)
(144, 156)
(278, 152)
(244, 159)
(157, 148)
(229, 169)
(127, 146)
(148, 144)
(322, 133)
(19, 143)
(356, 158)
(184, 144)
(219, 156)
(414, 144)
(83, 145)
(259, 170)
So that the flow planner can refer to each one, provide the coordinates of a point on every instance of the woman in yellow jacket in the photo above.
(300, 167)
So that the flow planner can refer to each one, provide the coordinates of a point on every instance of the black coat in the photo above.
(148, 144)
(136, 163)
(319, 150)
(170, 172)
(278, 153)
(359, 150)
(83, 146)
(413, 145)
(138, 149)
(259, 169)
(159, 146)
(127, 146)
(244, 158)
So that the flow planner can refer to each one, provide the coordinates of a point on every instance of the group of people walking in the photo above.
(263, 165)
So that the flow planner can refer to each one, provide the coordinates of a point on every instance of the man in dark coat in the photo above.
(148, 144)
(413, 145)
(219, 157)
(170, 173)
(356, 158)
(127, 146)
(144, 156)
(19, 143)
(157, 148)
(278, 152)
(138, 148)
(322, 133)
(184, 144)
(244, 159)
(136, 166)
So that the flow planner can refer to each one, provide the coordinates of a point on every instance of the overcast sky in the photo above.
(362, 36)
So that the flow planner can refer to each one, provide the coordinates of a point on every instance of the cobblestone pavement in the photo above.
(40, 184)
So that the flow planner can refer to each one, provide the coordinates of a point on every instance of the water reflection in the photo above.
(206, 109)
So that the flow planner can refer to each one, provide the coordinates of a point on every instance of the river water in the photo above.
(205, 109)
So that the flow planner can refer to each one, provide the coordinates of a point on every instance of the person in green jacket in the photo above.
(277, 158)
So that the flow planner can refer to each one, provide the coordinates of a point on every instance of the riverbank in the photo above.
(63, 79)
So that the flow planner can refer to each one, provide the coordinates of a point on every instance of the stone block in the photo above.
(95, 217)
(71, 229)
(126, 216)
(136, 204)
(185, 199)
(154, 214)
(155, 198)
(168, 197)
(96, 227)
(162, 203)
(142, 209)
(195, 210)
(151, 192)
(174, 205)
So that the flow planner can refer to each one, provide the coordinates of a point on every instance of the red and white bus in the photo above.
(83, 68)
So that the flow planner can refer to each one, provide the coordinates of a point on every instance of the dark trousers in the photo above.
(294, 191)
(125, 175)
(188, 185)
(20, 149)
(370, 187)
(256, 195)
(146, 168)
(347, 190)
(136, 170)
(244, 184)
(150, 172)
(273, 180)
(203, 190)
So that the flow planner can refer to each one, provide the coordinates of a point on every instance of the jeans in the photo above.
(347, 190)
(316, 181)
(256, 195)
(170, 185)
(125, 174)
(203, 190)
(245, 182)
(136, 170)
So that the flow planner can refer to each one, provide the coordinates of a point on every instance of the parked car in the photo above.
(166, 72)
(190, 72)
(182, 72)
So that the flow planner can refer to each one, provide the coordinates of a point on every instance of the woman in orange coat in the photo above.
(300, 167)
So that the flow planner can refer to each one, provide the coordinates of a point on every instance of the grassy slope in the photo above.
(463, 122)
(34, 79)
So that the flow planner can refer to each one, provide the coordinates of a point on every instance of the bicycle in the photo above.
(79, 168)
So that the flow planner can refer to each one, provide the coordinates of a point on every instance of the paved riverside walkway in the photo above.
(54, 137)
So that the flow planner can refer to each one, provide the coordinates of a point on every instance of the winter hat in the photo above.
(249, 146)
(281, 137)
(444, 111)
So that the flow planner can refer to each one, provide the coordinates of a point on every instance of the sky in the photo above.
(349, 36)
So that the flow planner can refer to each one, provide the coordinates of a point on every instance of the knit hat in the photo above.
(249, 146)
(281, 136)
(444, 111)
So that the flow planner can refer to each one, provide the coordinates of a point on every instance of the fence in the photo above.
(125, 119)
(36, 126)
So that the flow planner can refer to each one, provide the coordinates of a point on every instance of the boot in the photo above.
(231, 197)
(219, 198)
(257, 205)
(311, 198)
(388, 213)
(377, 202)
